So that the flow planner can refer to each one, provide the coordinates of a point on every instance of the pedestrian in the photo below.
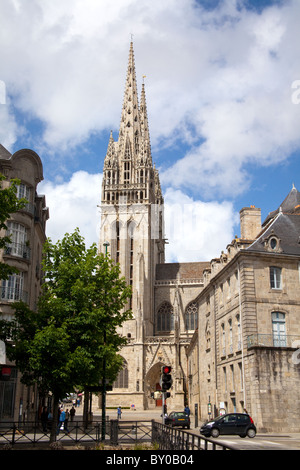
(44, 418)
(119, 412)
(66, 421)
(187, 410)
(61, 422)
(72, 413)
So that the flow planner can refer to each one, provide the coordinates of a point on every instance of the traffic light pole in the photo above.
(165, 382)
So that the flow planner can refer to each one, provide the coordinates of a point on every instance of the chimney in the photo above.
(250, 218)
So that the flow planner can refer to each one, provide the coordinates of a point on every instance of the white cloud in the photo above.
(244, 111)
(218, 81)
(223, 76)
(196, 231)
(73, 204)
(8, 127)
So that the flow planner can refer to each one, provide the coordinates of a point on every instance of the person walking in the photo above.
(119, 412)
(66, 421)
(44, 418)
(61, 422)
(72, 413)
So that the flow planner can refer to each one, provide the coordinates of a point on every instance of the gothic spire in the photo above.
(110, 159)
(128, 167)
(146, 150)
(130, 123)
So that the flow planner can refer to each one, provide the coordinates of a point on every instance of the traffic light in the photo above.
(166, 378)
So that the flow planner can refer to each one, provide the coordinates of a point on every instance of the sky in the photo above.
(222, 80)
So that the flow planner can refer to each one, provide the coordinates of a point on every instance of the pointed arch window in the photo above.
(115, 231)
(191, 316)
(165, 317)
(122, 379)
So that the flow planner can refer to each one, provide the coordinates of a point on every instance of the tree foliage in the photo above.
(62, 346)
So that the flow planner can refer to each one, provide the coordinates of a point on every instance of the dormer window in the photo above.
(272, 243)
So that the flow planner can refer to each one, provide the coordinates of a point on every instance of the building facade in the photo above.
(249, 315)
(132, 223)
(229, 327)
(27, 230)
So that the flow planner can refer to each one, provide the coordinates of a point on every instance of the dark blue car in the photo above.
(178, 418)
(231, 423)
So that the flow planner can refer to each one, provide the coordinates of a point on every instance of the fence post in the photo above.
(114, 432)
(14, 434)
(153, 431)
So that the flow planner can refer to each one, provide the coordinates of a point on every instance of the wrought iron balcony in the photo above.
(29, 208)
(13, 294)
(272, 341)
(20, 250)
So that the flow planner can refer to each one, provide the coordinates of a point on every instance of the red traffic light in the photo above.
(166, 369)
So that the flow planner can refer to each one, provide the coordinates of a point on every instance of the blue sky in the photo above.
(223, 96)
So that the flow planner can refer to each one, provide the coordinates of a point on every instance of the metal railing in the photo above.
(21, 250)
(32, 432)
(13, 294)
(169, 438)
(117, 433)
(275, 341)
(130, 432)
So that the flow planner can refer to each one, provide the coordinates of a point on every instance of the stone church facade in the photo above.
(132, 217)
(229, 328)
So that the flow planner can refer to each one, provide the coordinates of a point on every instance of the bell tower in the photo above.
(132, 207)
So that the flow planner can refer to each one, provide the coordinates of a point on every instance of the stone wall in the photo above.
(275, 389)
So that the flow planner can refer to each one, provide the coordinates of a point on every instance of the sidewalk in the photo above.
(129, 415)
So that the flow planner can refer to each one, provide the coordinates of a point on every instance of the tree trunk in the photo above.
(55, 419)
(86, 408)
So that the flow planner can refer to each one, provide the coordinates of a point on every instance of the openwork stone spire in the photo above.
(128, 169)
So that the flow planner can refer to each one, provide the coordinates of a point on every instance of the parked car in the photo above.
(230, 423)
(178, 418)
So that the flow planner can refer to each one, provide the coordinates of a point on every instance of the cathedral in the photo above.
(229, 328)
(132, 230)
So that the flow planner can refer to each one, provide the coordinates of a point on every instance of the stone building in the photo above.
(249, 316)
(27, 230)
(228, 327)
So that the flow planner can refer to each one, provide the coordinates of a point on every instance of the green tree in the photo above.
(64, 344)
(9, 204)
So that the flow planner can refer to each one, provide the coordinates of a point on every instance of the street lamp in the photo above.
(106, 244)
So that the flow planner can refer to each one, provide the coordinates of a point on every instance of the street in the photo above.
(262, 441)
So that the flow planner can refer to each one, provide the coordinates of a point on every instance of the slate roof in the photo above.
(4, 154)
(285, 230)
(168, 271)
(283, 226)
(287, 206)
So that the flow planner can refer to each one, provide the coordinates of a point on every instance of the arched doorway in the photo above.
(152, 382)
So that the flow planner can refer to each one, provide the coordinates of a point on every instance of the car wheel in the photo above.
(215, 432)
(251, 433)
